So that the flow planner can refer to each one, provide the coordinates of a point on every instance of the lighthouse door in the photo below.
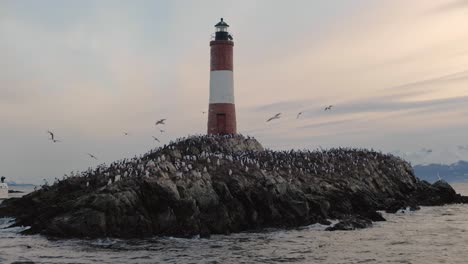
(221, 123)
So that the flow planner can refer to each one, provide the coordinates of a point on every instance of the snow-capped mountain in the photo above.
(426, 156)
(456, 172)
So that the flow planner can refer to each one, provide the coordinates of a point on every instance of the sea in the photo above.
(429, 235)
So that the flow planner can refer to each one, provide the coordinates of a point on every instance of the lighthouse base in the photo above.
(222, 119)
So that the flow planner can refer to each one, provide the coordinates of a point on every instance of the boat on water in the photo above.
(3, 190)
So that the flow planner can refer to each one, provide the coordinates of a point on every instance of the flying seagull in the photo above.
(125, 133)
(92, 156)
(155, 138)
(328, 108)
(52, 137)
(298, 115)
(277, 116)
(160, 122)
(162, 131)
(51, 134)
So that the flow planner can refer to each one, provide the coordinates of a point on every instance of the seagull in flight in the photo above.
(52, 137)
(51, 134)
(155, 138)
(92, 156)
(298, 115)
(328, 108)
(125, 133)
(160, 122)
(162, 131)
(277, 116)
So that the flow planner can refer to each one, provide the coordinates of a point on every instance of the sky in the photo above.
(396, 72)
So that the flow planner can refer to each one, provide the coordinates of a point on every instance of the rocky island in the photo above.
(204, 185)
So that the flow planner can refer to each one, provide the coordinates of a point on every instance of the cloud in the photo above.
(91, 70)
(282, 106)
(381, 105)
(462, 147)
(440, 80)
(388, 102)
(328, 123)
(451, 6)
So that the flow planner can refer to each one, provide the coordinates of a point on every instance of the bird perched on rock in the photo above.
(277, 116)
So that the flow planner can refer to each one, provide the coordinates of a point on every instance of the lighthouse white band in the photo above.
(221, 87)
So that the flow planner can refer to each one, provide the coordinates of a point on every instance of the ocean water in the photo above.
(430, 235)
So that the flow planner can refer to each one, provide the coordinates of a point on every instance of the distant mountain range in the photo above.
(445, 155)
(12, 183)
(455, 172)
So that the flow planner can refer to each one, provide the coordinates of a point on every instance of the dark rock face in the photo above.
(438, 193)
(218, 185)
(14, 191)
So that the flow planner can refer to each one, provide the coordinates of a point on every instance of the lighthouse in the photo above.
(221, 111)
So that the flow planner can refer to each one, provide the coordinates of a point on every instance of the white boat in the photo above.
(3, 190)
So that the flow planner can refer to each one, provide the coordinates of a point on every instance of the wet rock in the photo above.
(15, 191)
(206, 185)
(352, 223)
(439, 193)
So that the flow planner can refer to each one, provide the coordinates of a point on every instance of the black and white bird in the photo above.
(277, 116)
(92, 156)
(160, 122)
(52, 137)
(328, 108)
(51, 134)
(155, 138)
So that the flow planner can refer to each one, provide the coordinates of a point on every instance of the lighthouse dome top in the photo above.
(221, 24)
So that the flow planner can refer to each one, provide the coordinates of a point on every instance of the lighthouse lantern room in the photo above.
(221, 112)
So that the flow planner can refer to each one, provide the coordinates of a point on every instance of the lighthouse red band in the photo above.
(222, 112)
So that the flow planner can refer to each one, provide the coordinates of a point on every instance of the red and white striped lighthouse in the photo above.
(221, 112)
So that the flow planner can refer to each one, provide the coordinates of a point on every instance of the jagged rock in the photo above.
(439, 193)
(200, 186)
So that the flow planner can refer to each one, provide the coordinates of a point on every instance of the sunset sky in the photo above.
(396, 71)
